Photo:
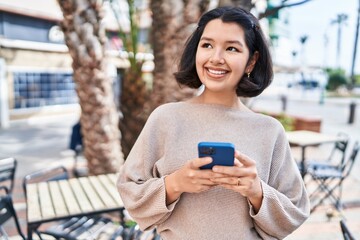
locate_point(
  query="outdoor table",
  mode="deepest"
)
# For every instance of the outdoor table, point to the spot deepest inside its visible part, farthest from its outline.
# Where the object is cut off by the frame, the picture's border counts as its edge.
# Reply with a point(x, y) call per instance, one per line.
point(63, 199)
point(304, 139)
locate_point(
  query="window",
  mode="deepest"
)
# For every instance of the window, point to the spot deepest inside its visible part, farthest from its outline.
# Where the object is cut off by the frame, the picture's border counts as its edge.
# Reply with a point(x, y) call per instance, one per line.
point(37, 89)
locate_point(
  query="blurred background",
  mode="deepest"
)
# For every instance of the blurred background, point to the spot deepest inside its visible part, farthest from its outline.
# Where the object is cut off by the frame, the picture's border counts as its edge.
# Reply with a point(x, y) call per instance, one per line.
point(105, 65)
point(52, 57)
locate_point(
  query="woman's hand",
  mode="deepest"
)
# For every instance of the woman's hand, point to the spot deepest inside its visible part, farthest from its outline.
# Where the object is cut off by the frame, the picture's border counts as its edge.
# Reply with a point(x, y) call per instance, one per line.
point(190, 178)
point(242, 178)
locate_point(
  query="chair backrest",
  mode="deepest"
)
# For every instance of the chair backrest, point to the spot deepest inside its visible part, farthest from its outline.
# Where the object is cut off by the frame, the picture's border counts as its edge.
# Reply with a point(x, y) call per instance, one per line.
point(349, 163)
point(46, 175)
point(7, 212)
point(7, 172)
point(340, 147)
point(76, 138)
point(345, 231)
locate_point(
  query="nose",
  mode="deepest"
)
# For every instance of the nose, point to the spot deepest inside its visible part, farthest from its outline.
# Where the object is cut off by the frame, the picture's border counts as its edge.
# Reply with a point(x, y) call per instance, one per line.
point(217, 57)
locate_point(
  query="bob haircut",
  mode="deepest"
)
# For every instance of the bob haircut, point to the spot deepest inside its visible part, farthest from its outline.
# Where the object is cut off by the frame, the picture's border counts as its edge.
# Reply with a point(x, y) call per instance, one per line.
point(262, 74)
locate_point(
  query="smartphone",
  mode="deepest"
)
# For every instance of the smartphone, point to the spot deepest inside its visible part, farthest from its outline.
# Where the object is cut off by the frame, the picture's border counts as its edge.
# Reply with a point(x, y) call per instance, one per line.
point(222, 153)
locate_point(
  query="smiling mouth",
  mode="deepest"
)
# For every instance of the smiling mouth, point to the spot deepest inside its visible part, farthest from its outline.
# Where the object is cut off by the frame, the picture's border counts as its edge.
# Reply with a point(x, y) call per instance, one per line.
point(216, 72)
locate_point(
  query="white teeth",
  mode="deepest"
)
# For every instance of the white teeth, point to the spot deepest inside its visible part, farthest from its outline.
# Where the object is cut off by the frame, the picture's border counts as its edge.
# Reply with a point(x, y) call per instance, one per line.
point(216, 72)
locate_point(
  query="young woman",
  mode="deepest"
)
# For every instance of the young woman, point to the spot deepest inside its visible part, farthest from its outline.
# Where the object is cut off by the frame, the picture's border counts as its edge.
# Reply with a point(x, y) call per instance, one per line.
point(262, 196)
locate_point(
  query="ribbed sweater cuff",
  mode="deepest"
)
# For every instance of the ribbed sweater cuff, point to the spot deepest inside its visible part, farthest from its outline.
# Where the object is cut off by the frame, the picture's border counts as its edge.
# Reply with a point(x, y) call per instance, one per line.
point(267, 193)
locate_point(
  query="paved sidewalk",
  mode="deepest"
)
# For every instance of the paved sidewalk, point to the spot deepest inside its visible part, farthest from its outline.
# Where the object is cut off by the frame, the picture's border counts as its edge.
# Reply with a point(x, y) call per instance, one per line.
point(43, 141)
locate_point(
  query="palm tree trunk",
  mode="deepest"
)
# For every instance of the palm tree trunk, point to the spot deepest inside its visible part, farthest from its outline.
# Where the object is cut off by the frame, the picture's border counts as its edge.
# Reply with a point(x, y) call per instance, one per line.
point(85, 38)
point(172, 24)
point(133, 99)
point(134, 93)
point(246, 4)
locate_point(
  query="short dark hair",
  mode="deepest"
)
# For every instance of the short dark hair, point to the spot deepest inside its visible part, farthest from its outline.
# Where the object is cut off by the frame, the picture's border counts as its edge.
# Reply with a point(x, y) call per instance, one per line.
point(262, 74)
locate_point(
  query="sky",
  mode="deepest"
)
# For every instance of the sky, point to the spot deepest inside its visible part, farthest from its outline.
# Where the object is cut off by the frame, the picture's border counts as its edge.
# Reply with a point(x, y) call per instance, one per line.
point(313, 19)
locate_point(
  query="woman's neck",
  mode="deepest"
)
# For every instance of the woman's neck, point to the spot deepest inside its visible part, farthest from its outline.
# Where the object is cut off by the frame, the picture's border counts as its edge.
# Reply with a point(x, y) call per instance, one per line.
point(227, 100)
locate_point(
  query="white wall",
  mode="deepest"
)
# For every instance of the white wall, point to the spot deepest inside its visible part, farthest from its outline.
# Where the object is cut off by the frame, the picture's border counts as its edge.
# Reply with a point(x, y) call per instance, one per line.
point(4, 102)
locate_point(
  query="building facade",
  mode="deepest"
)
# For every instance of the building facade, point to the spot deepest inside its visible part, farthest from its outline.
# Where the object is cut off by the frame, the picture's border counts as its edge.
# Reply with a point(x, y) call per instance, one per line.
point(35, 67)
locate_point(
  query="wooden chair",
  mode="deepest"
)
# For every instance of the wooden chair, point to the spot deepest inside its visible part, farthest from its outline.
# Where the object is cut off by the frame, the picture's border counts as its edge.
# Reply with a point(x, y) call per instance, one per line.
point(71, 229)
point(7, 212)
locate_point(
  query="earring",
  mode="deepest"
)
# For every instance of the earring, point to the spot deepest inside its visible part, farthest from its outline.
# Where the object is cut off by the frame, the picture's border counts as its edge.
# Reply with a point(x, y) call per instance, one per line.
point(248, 74)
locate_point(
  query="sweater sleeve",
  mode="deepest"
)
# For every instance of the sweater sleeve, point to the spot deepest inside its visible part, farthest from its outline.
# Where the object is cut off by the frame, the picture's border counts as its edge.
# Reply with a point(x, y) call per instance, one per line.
point(285, 204)
point(139, 184)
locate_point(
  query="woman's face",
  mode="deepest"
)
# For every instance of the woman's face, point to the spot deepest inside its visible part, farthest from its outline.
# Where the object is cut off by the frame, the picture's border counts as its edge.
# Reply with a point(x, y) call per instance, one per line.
point(222, 56)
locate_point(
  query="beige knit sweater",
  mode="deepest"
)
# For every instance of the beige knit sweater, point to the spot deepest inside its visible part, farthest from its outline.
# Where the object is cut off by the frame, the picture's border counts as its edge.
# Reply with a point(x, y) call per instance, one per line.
point(170, 138)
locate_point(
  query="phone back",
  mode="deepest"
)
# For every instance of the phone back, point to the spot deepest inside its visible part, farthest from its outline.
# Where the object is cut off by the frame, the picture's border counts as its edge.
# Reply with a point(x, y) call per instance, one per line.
point(222, 153)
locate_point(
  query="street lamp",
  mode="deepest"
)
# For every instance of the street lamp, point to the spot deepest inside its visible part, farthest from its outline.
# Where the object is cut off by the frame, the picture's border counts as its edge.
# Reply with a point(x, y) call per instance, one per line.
point(340, 21)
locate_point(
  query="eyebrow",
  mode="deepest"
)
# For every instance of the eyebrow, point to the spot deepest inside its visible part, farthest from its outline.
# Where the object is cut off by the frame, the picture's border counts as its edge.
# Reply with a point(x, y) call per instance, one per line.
point(229, 41)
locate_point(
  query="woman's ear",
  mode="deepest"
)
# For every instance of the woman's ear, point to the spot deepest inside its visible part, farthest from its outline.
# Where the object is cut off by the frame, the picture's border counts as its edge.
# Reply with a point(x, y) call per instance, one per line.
point(252, 62)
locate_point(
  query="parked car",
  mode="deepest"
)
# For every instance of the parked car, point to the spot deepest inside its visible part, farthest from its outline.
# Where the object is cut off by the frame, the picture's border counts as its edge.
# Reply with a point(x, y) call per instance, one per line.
point(309, 83)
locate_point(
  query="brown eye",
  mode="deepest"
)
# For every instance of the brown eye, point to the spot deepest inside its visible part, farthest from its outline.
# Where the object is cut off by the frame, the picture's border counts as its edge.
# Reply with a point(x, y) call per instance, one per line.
point(232, 49)
point(206, 45)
